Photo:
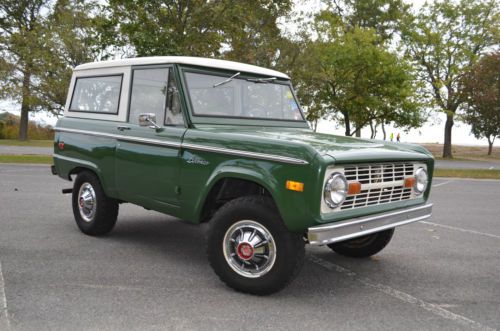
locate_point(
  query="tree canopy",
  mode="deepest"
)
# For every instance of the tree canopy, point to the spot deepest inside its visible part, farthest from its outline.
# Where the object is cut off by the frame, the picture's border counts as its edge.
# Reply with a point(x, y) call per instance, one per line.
point(482, 91)
point(40, 42)
point(445, 39)
point(353, 78)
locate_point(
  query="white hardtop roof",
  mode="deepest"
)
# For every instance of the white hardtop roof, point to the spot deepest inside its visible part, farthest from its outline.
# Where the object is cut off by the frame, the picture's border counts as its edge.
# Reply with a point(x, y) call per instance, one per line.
point(196, 61)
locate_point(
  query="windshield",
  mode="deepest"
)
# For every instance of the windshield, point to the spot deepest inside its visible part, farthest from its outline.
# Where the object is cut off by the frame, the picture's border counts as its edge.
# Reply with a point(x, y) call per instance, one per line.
point(234, 96)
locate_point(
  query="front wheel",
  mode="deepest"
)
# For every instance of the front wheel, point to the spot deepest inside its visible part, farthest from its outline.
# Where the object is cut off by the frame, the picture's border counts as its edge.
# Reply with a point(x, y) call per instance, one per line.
point(95, 213)
point(250, 249)
point(363, 246)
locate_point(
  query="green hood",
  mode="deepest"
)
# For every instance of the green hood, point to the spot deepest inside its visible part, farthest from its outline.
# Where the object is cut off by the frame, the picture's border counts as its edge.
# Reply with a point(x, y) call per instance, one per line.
point(304, 143)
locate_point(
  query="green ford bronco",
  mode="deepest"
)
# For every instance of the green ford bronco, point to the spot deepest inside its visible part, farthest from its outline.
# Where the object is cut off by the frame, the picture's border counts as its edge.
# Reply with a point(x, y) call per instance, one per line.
point(226, 143)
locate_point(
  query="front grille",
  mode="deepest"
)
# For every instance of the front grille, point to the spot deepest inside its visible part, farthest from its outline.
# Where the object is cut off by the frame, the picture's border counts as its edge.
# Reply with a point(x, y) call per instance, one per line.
point(385, 183)
point(376, 196)
point(379, 173)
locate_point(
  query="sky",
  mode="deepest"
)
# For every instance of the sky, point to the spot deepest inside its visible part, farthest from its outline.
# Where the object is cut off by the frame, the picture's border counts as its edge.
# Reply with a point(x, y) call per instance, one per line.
point(431, 132)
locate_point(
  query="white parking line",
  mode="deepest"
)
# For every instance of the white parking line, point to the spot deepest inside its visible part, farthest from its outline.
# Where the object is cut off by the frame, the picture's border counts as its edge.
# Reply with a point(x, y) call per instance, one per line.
point(441, 184)
point(461, 230)
point(470, 179)
point(405, 297)
point(4, 316)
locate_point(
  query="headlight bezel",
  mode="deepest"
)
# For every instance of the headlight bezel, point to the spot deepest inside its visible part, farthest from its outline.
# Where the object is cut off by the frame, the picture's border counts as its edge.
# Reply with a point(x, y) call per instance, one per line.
point(334, 179)
point(421, 173)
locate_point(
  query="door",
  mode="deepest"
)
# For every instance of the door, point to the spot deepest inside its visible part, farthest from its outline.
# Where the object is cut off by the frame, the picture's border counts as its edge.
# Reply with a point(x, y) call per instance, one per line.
point(147, 157)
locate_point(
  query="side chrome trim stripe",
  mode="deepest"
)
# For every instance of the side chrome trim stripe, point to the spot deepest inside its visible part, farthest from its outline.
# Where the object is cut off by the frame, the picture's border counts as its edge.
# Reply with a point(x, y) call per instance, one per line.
point(150, 141)
point(236, 152)
point(88, 133)
point(71, 159)
point(254, 155)
point(121, 137)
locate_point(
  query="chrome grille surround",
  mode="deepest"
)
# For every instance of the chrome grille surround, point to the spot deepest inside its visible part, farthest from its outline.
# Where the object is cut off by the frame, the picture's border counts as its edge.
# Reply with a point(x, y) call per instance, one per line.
point(381, 183)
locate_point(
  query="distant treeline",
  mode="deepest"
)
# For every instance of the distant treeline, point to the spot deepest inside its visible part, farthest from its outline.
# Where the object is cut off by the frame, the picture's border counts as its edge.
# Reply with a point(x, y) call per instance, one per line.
point(9, 128)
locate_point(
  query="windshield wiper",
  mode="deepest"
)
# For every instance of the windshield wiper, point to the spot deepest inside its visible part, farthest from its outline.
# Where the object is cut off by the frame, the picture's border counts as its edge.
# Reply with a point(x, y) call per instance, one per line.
point(262, 80)
point(227, 80)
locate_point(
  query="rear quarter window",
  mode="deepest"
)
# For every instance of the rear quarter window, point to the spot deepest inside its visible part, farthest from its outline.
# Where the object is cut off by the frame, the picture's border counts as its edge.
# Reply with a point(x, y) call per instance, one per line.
point(97, 94)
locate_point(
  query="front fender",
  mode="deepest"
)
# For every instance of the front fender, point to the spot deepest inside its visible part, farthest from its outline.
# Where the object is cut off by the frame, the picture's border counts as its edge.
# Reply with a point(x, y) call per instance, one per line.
point(262, 178)
point(294, 207)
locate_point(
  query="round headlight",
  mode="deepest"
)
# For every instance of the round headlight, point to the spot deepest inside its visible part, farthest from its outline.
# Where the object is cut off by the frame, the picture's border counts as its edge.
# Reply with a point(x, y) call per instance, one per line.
point(335, 190)
point(420, 180)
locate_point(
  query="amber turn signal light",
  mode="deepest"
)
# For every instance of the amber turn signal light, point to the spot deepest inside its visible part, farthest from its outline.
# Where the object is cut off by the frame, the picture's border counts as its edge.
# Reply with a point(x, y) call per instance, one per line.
point(294, 186)
point(354, 188)
point(409, 182)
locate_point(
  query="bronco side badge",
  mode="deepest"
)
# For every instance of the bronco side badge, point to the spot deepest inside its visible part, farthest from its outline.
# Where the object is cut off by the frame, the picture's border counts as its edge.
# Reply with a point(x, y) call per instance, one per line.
point(196, 160)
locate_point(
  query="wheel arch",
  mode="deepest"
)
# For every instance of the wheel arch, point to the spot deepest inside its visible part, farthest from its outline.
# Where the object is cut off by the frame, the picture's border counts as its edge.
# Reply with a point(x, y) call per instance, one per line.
point(221, 188)
point(78, 169)
point(74, 168)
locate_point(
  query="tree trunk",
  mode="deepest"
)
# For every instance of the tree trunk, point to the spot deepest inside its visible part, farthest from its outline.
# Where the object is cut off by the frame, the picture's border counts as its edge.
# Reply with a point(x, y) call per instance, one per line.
point(315, 125)
point(375, 130)
point(347, 124)
point(358, 132)
point(25, 107)
point(372, 130)
point(383, 131)
point(447, 153)
point(490, 145)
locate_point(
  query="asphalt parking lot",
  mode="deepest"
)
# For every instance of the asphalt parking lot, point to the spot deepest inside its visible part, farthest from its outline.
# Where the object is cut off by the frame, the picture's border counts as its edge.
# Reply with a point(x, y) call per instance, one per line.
point(151, 272)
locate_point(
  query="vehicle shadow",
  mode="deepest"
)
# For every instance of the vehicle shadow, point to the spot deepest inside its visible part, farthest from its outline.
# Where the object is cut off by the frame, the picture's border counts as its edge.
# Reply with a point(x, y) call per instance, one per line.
point(183, 245)
point(162, 235)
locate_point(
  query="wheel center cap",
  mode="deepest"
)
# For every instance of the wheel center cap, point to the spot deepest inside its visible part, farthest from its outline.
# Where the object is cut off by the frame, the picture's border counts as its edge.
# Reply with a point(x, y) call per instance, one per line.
point(81, 202)
point(245, 251)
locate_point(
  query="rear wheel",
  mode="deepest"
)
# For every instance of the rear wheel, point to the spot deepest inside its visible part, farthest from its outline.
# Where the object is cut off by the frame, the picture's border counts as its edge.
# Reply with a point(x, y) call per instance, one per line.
point(250, 249)
point(95, 213)
point(363, 246)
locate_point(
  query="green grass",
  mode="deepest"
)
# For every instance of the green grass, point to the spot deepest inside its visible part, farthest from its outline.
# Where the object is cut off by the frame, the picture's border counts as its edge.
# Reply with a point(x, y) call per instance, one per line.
point(468, 173)
point(33, 143)
point(31, 159)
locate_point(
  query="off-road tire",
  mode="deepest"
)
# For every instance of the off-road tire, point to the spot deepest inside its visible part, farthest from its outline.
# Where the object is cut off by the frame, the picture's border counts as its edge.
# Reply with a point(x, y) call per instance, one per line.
point(290, 251)
point(363, 246)
point(106, 211)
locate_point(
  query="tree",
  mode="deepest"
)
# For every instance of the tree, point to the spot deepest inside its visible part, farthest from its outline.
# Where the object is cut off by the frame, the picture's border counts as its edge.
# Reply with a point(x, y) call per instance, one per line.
point(164, 27)
point(40, 42)
point(251, 31)
point(245, 31)
point(445, 39)
point(75, 32)
point(348, 75)
point(482, 88)
point(20, 36)
point(384, 16)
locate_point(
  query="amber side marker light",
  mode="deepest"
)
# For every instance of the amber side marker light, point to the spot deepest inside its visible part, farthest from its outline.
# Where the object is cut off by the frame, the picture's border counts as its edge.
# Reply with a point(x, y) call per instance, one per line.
point(410, 182)
point(294, 186)
point(354, 188)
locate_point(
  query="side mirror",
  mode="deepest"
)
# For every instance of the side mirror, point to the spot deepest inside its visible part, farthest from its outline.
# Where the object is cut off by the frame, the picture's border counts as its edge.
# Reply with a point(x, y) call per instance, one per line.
point(148, 119)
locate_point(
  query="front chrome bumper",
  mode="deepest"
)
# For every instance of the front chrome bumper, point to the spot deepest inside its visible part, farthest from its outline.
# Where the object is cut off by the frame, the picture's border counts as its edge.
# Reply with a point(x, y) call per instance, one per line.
point(357, 227)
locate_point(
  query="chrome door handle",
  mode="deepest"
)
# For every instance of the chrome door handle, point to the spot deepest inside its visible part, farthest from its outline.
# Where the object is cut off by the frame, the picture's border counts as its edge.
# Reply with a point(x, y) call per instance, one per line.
point(123, 128)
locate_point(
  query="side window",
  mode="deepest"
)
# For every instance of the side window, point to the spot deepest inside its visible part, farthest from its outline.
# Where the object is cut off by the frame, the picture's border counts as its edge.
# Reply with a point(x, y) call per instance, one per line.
point(97, 94)
point(174, 113)
point(149, 93)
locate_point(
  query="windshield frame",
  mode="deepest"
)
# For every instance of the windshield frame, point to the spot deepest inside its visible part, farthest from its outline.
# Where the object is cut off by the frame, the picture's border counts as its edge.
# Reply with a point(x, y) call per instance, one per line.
point(217, 119)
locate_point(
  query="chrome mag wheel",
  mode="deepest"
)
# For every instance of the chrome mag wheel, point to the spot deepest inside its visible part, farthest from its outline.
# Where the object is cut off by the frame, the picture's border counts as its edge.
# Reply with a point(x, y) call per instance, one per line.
point(87, 202)
point(249, 249)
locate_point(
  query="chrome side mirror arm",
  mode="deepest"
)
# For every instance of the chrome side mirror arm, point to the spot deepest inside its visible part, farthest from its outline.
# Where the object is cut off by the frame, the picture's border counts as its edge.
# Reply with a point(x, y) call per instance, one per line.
point(149, 120)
